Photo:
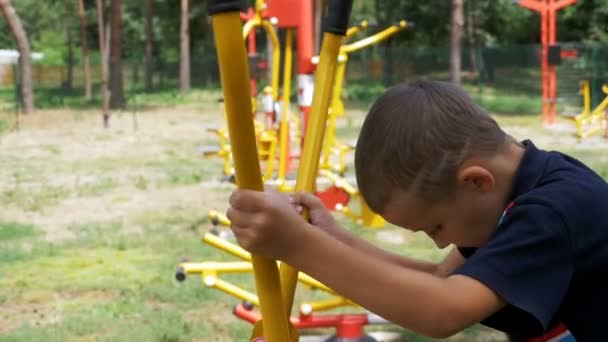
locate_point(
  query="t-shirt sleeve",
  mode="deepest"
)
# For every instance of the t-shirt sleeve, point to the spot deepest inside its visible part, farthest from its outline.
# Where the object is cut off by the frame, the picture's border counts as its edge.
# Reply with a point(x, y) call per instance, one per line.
point(528, 261)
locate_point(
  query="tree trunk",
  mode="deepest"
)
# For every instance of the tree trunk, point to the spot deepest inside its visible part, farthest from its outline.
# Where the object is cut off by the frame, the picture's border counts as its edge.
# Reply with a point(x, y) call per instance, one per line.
point(25, 56)
point(456, 40)
point(104, 65)
point(69, 81)
point(84, 44)
point(117, 99)
point(184, 60)
point(471, 32)
point(149, 46)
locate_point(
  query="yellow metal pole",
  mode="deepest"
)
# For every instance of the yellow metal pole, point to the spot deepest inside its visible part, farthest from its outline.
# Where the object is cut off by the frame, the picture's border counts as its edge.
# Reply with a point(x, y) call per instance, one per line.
point(333, 38)
point(586, 97)
point(284, 138)
point(233, 66)
point(337, 109)
point(276, 57)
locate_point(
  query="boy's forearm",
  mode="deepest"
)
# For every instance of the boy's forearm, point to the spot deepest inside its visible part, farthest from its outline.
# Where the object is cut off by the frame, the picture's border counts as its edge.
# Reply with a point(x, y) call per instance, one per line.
point(360, 244)
point(414, 299)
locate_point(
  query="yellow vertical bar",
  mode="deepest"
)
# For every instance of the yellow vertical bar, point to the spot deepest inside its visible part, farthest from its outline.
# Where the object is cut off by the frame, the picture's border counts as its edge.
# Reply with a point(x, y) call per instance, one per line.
point(232, 58)
point(287, 69)
point(337, 109)
point(307, 173)
point(276, 57)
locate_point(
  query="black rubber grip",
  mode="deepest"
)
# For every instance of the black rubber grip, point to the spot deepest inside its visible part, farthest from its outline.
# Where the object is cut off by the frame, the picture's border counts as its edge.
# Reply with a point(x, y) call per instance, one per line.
point(338, 15)
point(220, 6)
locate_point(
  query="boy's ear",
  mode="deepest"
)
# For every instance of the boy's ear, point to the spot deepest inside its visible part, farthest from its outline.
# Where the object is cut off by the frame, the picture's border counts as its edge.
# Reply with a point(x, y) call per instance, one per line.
point(476, 177)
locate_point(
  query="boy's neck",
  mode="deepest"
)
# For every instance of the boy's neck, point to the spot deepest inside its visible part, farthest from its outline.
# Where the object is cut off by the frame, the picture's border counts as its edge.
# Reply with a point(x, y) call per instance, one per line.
point(505, 165)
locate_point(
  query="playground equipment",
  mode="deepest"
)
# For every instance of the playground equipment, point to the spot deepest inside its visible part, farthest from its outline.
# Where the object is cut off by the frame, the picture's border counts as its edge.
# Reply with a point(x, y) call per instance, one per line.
point(267, 133)
point(275, 294)
point(550, 53)
point(348, 327)
point(591, 122)
point(340, 194)
point(332, 146)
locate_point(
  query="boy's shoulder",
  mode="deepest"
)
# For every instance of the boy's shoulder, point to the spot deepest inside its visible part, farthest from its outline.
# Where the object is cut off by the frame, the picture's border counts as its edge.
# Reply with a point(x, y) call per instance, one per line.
point(559, 181)
point(543, 257)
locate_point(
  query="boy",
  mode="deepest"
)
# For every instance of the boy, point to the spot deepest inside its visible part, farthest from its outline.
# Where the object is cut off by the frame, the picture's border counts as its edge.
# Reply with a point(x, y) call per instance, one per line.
point(530, 228)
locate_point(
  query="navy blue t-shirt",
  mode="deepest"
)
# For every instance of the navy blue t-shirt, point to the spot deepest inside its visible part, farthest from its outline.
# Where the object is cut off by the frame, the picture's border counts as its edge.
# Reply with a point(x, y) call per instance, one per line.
point(548, 258)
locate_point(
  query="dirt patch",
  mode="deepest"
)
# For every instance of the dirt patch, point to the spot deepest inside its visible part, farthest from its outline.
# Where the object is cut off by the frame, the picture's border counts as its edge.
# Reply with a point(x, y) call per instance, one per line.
point(50, 140)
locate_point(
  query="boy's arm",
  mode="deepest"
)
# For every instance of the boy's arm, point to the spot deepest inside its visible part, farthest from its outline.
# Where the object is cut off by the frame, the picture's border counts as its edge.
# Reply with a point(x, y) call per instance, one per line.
point(442, 269)
point(417, 300)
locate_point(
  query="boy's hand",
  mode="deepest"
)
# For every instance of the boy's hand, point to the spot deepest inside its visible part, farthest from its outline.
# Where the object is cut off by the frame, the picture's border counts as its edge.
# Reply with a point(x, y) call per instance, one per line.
point(265, 223)
point(320, 216)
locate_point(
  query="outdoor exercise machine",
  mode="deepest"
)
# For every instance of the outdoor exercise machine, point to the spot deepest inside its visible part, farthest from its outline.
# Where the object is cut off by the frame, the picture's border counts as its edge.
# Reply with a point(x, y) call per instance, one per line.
point(592, 122)
point(550, 52)
point(276, 288)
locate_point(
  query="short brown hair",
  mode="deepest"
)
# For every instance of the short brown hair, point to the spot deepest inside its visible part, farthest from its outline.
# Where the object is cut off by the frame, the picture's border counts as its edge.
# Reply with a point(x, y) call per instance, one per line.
point(416, 136)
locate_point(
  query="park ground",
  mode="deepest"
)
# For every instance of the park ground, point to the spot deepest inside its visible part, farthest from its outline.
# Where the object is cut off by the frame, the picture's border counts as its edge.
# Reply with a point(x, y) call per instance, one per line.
point(93, 222)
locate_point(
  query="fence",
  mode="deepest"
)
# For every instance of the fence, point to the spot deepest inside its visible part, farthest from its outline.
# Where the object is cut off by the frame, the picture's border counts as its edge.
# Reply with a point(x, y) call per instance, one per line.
point(504, 79)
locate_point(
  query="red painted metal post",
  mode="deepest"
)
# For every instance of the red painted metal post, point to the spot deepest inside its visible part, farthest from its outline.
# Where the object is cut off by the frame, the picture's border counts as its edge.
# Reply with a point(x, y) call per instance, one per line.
point(548, 30)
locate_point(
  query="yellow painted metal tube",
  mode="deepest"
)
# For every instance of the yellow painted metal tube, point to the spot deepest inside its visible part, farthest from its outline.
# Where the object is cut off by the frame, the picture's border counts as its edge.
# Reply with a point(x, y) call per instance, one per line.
point(190, 268)
point(276, 57)
point(276, 49)
point(284, 138)
point(604, 104)
point(313, 141)
point(337, 109)
point(586, 96)
point(374, 39)
point(340, 182)
point(353, 30)
point(232, 290)
point(234, 75)
point(226, 246)
point(327, 304)
point(239, 252)
point(250, 25)
point(216, 216)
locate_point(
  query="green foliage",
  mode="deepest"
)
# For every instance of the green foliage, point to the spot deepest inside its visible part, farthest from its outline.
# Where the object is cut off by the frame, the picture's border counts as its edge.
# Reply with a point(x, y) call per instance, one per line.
point(360, 91)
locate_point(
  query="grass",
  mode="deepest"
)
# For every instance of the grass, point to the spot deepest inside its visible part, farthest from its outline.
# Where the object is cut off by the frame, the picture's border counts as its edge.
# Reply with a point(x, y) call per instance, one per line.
point(168, 96)
point(125, 282)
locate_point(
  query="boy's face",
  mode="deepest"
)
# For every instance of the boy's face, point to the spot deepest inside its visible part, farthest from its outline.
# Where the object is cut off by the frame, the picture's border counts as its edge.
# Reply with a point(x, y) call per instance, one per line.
point(466, 218)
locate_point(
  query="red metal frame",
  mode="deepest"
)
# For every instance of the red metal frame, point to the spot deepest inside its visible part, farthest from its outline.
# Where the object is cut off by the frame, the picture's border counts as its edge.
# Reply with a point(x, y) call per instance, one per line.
point(348, 326)
point(298, 14)
point(548, 12)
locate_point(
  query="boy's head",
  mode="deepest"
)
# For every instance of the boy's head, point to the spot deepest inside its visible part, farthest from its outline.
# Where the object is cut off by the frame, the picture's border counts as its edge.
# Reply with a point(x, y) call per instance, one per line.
point(414, 146)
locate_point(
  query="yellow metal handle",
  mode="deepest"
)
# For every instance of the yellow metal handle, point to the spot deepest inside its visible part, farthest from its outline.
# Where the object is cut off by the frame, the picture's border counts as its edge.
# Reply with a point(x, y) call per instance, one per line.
point(376, 38)
point(356, 29)
point(234, 76)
